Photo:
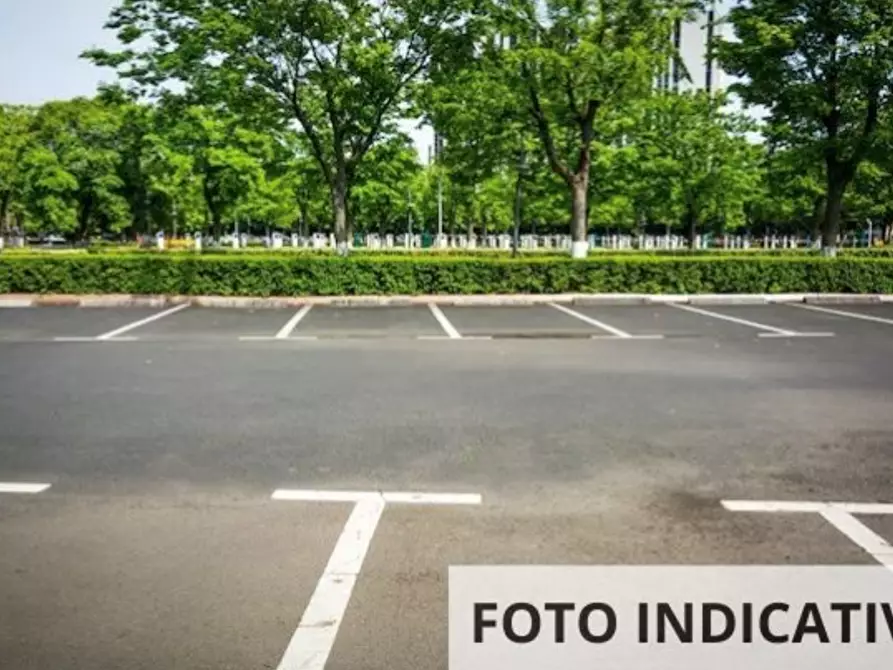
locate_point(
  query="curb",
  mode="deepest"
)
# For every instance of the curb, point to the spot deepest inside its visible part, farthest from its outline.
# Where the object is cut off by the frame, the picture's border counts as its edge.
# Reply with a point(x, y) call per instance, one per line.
point(157, 301)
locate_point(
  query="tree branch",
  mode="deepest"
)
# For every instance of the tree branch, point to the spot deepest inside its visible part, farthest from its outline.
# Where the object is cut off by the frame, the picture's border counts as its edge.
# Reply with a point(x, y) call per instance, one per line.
point(545, 133)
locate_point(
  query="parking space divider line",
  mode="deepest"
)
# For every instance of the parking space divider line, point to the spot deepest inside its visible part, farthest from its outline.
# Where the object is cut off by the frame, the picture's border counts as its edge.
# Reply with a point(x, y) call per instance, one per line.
point(735, 319)
point(312, 642)
point(293, 322)
point(142, 322)
point(592, 322)
point(860, 534)
point(838, 514)
point(444, 322)
point(852, 315)
point(23, 487)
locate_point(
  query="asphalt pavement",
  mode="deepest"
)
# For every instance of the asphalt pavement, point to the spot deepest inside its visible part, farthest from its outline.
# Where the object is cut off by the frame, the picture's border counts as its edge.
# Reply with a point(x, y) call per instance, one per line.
point(603, 435)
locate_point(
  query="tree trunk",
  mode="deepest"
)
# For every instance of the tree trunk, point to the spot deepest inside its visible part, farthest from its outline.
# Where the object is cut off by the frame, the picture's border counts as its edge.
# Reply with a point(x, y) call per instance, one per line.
point(691, 224)
point(4, 212)
point(84, 219)
point(579, 191)
point(339, 208)
point(216, 222)
point(831, 223)
point(519, 203)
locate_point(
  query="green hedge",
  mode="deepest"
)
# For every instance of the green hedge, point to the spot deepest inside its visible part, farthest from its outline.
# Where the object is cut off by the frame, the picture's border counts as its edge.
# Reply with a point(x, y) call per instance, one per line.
point(268, 275)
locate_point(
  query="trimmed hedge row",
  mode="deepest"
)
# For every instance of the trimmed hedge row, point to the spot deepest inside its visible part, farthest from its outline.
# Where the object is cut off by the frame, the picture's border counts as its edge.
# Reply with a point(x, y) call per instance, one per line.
point(277, 275)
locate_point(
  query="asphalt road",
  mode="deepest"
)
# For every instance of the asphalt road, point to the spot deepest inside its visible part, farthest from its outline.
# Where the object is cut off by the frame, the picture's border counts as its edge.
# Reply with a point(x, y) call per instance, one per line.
point(158, 544)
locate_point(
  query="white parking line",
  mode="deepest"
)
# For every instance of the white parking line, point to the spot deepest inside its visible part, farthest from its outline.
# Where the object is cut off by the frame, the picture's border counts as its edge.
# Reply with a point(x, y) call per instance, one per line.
point(312, 642)
point(861, 534)
point(136, 324)
point(794, 506)
point(592, 322)
point(838, 514)
point(852, 315)
point(23, 487)
point(735, 319)
point(444, 322)
point(285, 331)
point(770, 331)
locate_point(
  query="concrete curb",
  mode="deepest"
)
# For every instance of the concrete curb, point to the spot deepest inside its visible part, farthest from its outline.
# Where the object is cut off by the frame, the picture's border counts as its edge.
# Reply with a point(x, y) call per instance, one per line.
point(157, 301)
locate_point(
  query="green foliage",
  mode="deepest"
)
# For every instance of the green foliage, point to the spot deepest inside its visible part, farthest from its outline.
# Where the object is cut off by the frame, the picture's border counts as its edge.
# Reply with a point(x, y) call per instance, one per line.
point(824, 71)
point(269, 275)
point(342, 70)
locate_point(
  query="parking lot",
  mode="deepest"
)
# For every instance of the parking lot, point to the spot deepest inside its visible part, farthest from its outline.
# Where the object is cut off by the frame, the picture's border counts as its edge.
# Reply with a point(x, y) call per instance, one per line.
point(188, 487)
point(427, 322)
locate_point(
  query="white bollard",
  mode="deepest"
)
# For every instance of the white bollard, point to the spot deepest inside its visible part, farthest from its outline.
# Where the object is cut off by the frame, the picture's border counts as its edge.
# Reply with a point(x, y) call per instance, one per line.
point(159, 240)
point(277, 240)
point(579, 249)
point(2, 242)
point(198, 241)
point(243, 240)
point(294, 240)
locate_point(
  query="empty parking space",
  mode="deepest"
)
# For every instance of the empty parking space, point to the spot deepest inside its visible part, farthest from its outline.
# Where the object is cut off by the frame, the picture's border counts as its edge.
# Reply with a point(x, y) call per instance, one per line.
point(664, 320)
point(209, 322)
point(47, 323)
point(200, 581)
point(766, 320)
point(518, 321)
point(366, 322)
point(878, 315)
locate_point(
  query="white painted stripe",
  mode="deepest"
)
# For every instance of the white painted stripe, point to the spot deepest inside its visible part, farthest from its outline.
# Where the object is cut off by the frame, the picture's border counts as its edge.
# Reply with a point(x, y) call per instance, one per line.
point(592, 322)
point(798, 334)
point(22, 487)
point(444, 322)
point(285, 331)
point(398, 497)
point(772, 506)
point(734, 319)
point(312, 642)
point(861, 534)
point(852, 315)
point(142, 322)
point(16, 304)
point(796, 506)
point(432, 498)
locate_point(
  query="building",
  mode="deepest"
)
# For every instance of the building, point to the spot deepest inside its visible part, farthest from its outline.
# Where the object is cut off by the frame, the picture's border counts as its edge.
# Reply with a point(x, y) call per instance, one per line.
point(696, 69)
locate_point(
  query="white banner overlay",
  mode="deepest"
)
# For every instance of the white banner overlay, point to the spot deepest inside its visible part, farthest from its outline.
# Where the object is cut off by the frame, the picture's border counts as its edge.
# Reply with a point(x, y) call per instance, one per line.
point(670, 618)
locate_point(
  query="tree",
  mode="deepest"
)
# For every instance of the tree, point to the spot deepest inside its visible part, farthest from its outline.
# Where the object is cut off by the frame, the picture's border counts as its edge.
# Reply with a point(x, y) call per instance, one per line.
point(574, 64)
point(696, 160)
point(379, 198)
point(340, 68)
point(15, 137)
point(825, 69)
point(71, 170)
